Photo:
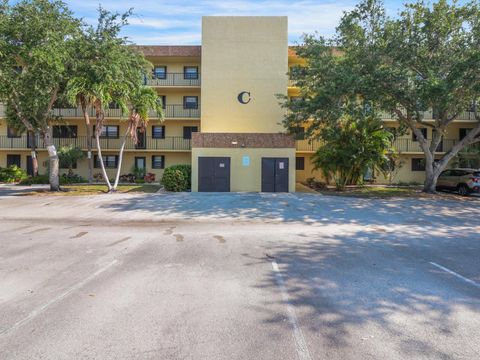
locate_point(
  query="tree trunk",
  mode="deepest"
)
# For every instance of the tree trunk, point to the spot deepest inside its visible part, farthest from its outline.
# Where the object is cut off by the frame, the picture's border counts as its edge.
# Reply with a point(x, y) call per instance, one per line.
point(33, 147)
point(100, 159)
point(88, 127)
point(53, 160)
point(120, 159)
point(100, 119)
point(432, 172)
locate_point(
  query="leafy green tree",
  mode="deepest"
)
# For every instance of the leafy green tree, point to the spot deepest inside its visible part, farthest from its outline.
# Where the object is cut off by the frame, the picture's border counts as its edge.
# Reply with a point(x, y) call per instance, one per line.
point(351, 146)
point(141, 102)
point(69, 156)
point(15, 123)
point(427, 58)
point(35, 60)
point(109, 70)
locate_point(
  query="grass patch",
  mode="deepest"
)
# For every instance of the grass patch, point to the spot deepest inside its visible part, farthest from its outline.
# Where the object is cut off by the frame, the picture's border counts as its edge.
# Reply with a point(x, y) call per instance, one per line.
point(78, 190)
point(375, 192)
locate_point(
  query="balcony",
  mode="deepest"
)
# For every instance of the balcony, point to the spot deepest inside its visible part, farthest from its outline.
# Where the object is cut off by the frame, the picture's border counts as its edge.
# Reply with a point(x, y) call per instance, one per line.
point(401, 145)
point(169, 143)
point(172, 111)
point(174, 80)
point(308, 146)
point(428, 115)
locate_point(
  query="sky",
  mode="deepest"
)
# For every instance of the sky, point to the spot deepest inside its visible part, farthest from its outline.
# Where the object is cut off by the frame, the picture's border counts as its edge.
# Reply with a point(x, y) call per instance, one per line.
point(178, 22)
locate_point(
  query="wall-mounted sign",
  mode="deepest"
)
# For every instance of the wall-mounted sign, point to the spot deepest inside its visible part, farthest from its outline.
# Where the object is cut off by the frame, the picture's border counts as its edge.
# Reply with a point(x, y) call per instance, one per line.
point(244, 97)
point(246, 161)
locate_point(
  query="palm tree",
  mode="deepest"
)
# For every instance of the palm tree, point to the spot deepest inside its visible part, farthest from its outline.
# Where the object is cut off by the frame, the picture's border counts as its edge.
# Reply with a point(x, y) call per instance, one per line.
point(141, 102)
point(79, 94)
point(108, 70)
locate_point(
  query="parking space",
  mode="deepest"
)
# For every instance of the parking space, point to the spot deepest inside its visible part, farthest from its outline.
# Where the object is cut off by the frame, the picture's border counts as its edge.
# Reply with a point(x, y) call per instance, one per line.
point(238, 276)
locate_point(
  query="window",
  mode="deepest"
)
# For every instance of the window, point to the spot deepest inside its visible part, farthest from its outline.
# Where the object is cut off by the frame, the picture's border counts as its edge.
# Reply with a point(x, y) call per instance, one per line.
point(64, 164)
point(109, 131)
point(13, 133)
point(110, 161)
point(418, 164)
point(13, 160)
point(299, 133)
point(190, 102)
point(158, 161)
point(300, 163)
point(163, 98)
point(158, 132)
point(462, 132)
point(160, 72)
point(424, 133)
point(190, 72)
point(188, 130)
point(65, 131)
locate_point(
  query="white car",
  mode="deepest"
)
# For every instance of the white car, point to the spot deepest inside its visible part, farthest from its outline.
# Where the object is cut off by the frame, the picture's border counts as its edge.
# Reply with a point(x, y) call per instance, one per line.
point(464, 181)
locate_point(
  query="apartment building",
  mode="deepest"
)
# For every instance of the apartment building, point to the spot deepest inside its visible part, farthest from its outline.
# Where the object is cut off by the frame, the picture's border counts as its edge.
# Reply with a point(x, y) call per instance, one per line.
point(222, 116)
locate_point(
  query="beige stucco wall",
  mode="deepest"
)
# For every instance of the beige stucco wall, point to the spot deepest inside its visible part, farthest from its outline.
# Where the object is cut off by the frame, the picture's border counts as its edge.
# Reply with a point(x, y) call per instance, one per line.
point(244, 178)
point(243, 54)
point(171, 158)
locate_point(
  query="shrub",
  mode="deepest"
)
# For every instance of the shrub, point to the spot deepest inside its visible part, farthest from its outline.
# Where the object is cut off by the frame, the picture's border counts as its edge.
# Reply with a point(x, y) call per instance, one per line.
point(98, 177)
point(177, 178)
point(39, 179)
point(127, 178)
point(71, 178)
point(316, 185)
point(12, 174)
point(149, 178)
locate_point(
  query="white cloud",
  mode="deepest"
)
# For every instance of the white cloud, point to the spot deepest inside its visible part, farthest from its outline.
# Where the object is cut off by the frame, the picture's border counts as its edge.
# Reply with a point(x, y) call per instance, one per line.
point(179, 21)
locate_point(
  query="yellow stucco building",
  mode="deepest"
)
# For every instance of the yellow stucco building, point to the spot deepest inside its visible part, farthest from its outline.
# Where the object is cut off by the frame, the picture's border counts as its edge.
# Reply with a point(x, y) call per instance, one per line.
point(222, 116)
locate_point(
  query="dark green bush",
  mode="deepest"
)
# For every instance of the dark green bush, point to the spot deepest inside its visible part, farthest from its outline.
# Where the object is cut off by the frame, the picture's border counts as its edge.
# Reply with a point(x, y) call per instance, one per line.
point(39, 179)
point(71, 178)
point(177, 178)
point(12, 174)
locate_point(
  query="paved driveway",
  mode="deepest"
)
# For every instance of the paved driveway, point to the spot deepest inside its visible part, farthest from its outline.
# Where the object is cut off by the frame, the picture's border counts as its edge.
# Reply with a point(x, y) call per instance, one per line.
point(238, 276)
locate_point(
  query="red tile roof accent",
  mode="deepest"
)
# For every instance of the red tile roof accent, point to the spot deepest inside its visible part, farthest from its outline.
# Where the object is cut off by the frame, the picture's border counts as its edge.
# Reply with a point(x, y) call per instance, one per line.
point(171, 50)
point(183, 50)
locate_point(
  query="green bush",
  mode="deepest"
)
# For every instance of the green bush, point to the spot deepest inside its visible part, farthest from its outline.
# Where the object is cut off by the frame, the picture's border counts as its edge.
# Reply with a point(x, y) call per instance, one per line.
point(12, 174)
point(39, 179)
point(71, 178)
point(177, 178)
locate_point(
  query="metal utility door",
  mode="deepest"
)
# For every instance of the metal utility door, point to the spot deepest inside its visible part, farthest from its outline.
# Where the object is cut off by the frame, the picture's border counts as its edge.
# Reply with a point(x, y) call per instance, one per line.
point(214, 174)
point(274, 174)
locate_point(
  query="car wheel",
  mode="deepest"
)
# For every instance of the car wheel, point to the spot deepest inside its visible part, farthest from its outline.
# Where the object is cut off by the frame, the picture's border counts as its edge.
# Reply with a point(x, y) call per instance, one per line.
point(462, 190)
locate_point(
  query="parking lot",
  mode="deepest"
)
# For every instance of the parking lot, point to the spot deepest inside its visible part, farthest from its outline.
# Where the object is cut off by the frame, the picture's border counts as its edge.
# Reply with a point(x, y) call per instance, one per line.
point(238, 276)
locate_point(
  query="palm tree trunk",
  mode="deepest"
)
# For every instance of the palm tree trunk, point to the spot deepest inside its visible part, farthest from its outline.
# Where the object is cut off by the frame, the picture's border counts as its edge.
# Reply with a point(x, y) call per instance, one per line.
point(120, 159)
point(88, 127)
point(53, 159)
point(100, 116)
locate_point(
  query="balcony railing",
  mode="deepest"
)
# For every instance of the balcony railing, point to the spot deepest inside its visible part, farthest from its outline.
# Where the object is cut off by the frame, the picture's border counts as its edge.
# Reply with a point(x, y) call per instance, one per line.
point(174, 79)
point(401, 145)
point(175, 143)
point(428, 115)
point(308, 146)
point(171, 111)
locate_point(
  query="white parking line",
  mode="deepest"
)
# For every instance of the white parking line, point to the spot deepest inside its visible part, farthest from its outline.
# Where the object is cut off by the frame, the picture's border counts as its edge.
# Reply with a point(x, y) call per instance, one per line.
point(300, 343)
point(45, 306)
point(471, 282)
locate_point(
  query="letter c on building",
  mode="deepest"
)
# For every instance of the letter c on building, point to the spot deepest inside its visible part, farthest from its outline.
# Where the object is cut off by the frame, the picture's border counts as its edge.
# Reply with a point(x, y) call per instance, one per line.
point(244, 97)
